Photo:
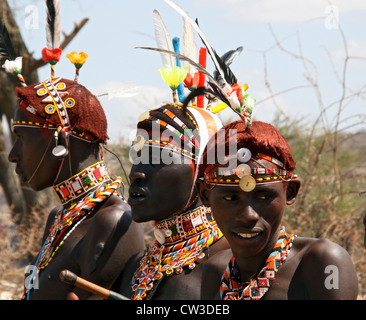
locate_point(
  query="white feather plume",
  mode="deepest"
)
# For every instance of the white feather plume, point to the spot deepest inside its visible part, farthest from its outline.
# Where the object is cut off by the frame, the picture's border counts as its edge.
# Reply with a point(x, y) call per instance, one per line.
point(121, 90)
point(163, 40)
point(189, 44)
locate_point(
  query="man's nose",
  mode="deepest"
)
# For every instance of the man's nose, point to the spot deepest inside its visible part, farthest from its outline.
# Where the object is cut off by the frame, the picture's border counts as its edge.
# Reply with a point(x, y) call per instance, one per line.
point(247, 216)
point(137, 176)
point(13, 155)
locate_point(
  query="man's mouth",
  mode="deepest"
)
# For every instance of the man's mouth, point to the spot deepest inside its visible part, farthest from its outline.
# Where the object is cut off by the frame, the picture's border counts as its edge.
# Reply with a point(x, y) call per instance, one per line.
point(248, 235)
point(136, 196)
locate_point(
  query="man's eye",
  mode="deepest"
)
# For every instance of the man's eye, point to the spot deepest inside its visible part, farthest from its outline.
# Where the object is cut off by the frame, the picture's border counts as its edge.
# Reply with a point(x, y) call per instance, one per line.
point(230, 198)
point(264, 196)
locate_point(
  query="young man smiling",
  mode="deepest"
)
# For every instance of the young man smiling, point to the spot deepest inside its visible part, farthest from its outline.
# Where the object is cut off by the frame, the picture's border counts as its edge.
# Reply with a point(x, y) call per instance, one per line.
point(248, 194)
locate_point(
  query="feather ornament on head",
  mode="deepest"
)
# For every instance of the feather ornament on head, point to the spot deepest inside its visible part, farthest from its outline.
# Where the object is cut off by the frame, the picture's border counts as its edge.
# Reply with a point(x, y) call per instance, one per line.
point(222, 85)
point(58, 103)
point(173, 77)
point(52, 52)
point(172, 72)
point(12, 64)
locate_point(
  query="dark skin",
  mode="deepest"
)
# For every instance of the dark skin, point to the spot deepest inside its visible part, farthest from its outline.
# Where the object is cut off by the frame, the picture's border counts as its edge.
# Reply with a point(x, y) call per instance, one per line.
point(98, 249)
point(251, 222)
point(157, 192)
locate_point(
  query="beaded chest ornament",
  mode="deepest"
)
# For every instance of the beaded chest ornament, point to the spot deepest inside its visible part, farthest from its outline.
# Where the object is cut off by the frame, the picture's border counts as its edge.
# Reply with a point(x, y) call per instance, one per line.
point(181, 243)
point(231, 288)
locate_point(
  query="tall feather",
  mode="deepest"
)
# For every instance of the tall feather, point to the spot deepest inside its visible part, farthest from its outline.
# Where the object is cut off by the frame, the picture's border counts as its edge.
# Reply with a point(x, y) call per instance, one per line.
point(6, 48)
point(189, 44)
point(198, 30)
point(53, 24)
point(226, 59)
point(163, 40)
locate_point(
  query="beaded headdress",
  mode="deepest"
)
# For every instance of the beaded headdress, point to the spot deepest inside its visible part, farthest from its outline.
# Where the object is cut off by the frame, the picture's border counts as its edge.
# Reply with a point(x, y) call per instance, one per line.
point(56, 103)
point(223, 86)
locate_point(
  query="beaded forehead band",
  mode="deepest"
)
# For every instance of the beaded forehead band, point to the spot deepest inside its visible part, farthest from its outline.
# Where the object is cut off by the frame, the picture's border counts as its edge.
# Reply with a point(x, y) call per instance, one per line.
point(244, 173)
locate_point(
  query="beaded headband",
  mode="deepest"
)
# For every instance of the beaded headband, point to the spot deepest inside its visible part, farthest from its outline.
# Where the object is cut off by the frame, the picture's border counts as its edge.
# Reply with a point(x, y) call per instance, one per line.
point(214, 175)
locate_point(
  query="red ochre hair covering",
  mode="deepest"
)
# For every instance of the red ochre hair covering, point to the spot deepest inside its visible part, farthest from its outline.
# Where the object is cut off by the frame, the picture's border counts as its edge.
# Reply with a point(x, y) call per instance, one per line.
point(87, 115)
point(261, 138)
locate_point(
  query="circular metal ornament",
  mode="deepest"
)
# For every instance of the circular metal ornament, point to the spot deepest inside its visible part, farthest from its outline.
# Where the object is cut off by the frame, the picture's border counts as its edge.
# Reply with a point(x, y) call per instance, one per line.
point(59, 151)
point(247, 183)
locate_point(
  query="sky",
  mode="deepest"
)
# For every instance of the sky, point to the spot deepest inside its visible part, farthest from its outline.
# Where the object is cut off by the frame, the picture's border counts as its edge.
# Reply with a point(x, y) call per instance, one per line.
point(295, 50)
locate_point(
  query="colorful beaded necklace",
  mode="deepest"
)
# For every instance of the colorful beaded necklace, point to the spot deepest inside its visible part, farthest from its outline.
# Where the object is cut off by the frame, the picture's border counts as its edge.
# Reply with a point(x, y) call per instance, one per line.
point(183, 239)
point(67, 220)
point(81, 182)
point(231, 288)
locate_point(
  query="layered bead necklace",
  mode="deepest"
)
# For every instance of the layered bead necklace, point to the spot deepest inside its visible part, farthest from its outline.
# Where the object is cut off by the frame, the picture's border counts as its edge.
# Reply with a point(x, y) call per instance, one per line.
point(181, 240)
point(231, 288)
point(66, 220)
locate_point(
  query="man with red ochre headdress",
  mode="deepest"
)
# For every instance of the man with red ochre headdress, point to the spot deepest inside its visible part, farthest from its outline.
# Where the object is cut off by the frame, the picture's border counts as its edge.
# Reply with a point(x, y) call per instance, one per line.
point(60, 127)
point(248, 194)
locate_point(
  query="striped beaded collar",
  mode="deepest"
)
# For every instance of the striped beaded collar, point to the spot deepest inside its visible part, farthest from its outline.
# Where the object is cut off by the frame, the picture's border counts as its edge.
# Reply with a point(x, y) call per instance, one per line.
point(81, 183)
point(181, 243)
point(183, 226)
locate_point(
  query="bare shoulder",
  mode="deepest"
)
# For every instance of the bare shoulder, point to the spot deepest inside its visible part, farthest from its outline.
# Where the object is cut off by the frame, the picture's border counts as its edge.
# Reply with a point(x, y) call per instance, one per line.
point(212, 271)
point(114, 217)
point(326, 269)
point(320, 251)
point(111, 210)
point(112, 238)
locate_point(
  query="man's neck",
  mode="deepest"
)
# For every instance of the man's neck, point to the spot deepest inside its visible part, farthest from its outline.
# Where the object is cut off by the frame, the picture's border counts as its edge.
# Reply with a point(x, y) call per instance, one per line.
point(81, 184)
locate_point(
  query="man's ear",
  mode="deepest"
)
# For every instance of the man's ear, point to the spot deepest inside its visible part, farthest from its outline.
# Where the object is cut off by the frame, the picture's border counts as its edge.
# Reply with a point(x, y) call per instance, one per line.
point(293, 187)
point(203, 192)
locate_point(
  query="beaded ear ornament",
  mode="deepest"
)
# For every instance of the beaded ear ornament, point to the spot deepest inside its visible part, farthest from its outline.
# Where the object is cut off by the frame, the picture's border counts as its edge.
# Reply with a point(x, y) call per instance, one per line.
point(242, 174)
